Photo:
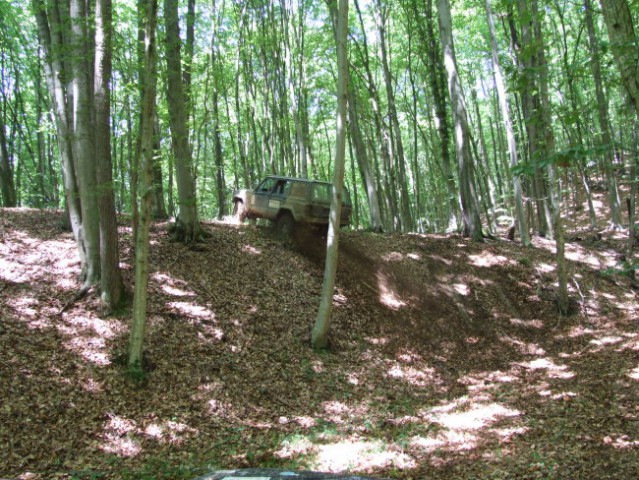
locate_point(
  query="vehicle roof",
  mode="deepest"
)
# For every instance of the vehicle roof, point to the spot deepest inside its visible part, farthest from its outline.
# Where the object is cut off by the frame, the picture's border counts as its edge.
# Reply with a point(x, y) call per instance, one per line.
point(295, 179)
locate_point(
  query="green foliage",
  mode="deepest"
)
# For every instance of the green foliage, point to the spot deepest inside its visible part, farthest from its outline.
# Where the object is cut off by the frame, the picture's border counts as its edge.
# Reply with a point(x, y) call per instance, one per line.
point(269, 68)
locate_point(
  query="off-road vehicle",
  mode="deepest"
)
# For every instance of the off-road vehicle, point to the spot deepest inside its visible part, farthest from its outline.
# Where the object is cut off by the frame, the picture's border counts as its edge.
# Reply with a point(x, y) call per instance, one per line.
point(288, 202)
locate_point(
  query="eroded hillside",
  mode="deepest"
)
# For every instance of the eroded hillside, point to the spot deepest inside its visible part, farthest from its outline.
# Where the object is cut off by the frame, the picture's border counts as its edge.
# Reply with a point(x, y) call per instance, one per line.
point(447, 359)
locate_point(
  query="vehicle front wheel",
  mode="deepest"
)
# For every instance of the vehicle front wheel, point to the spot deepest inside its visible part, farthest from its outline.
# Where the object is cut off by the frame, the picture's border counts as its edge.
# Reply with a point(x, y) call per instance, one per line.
point(285, 226)
point(239, 211)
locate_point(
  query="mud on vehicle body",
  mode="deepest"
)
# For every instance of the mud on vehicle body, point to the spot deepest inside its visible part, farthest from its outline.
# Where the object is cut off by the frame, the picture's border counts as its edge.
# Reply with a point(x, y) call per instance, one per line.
point(289, 202)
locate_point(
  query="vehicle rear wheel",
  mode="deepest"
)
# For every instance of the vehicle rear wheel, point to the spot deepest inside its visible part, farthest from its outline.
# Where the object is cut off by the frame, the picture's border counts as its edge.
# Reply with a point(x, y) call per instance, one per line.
point(239, 211)
point(285, 226)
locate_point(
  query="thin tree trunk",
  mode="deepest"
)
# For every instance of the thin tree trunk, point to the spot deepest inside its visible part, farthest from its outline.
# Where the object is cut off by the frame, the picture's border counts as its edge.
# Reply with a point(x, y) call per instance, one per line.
point(159, 209)
point(383, 135)
point(470, 210)
point(605, 137)
point(631, 205)
point(57, 75)
point(500, 85)
point(136, 340)
point(437, 76)
point(319, 336)
point(399, 157)
point(111, 279)
point(83, 141)
point(364, 165)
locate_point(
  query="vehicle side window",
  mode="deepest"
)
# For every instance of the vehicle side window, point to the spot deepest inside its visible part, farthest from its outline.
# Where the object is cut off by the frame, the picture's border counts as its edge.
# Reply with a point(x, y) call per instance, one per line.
point(267, 185)
point(281, 187)
point(322, 192)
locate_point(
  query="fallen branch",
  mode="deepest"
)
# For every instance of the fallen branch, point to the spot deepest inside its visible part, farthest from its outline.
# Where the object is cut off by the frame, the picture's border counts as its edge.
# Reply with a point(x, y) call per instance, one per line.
point(78, 296)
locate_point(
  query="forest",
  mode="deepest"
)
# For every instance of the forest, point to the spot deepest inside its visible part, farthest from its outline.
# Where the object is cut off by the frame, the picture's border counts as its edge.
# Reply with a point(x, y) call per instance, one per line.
point(491, 152)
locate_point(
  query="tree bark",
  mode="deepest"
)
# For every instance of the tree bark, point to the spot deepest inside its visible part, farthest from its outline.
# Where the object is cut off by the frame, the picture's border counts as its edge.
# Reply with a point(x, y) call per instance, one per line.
point(437, 77)
point(529, 64)
point(187, 228)
point(319, 336)
point(136, 340)
point(605, 136)
point(83, 139)
point(376, 224)
point(624, 46)
point(7, 185)
point(500, 85)
point(471, 222)
point(111, 284)
point(387, 178)
point(398, 159)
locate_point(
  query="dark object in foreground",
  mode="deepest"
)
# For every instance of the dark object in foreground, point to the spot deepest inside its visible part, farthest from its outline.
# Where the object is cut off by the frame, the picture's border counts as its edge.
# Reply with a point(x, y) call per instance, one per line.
point(272, 474)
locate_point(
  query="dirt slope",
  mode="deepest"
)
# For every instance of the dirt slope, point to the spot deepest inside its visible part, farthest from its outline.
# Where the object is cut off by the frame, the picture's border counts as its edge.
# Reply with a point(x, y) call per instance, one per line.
point(447, 360)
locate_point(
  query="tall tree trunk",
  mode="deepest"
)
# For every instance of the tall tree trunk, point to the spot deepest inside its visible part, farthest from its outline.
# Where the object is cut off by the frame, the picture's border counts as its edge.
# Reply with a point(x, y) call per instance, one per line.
point(500, 85)
point(631, 205)
point(364, 165)
point(398, 157)
point(437, 76)
point(319, 336)
point(605, 137)
point(471, 222)
point(52, 41)
point(187, 228)
point(159, 209)
point(111, 279)
point(136, 340)
point(624, 46)
point(383, 140)
point(529, 64)
point(83, 139)
point(68, 82)
point(7, 185)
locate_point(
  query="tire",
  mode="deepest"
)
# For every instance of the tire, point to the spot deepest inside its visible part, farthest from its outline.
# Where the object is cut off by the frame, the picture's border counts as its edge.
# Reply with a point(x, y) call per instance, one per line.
point(285, 226)
point(239, 211)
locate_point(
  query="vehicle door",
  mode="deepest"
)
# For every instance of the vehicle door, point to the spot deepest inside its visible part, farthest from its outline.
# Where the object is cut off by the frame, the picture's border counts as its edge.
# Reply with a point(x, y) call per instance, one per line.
point(277, 198)
point(259, 203)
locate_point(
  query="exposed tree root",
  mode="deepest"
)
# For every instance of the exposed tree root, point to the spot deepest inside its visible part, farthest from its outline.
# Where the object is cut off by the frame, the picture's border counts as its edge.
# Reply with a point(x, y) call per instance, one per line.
point(84, 291)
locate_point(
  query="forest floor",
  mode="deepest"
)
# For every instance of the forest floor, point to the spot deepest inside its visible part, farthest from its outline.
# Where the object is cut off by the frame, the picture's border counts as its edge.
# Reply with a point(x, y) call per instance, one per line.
point(447, 359)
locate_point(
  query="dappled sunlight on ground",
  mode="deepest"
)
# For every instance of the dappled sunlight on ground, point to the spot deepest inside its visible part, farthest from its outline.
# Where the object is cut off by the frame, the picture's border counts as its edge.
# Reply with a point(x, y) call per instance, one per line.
point(359, 455)
point(25, 259)
point(489, 259)
point(125, 437)
point(446, 356)
point(387, 294)
point(551, 369)
point(413, 375)
point(577, 253)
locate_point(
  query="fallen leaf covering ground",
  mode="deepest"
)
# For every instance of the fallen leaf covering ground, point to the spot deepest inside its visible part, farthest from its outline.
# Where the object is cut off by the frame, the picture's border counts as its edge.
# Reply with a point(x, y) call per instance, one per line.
point(447, 359)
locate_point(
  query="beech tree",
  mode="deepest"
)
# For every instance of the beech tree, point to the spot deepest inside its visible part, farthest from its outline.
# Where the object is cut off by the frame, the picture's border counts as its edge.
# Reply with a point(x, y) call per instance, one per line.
point(319, 336)
point(500, 86)
point(7, 186)
point(625, 48)
point(187, 227)
point(604, 117)
point(148, 15)
point(250, 88)
point(69, 70)
point(470, 209)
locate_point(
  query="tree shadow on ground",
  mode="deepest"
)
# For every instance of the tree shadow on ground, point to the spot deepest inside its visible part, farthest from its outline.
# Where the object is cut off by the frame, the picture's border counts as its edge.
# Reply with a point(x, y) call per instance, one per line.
point(447, 359)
